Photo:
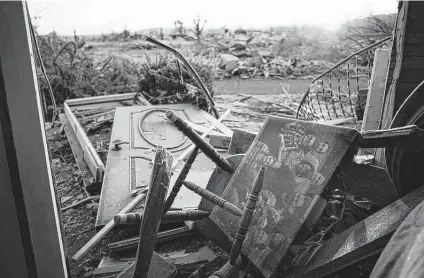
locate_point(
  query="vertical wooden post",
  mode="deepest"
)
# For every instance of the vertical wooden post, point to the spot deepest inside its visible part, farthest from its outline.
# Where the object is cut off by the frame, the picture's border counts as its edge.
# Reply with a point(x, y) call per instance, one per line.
point(159, 183)
point(375, 101)
point(30, 238)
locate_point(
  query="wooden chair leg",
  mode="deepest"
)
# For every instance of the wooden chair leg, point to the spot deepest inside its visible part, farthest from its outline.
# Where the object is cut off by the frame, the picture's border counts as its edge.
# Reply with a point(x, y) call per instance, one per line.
point(215, 199)
point(231, 268)
point(206, 148)
point(171, 216)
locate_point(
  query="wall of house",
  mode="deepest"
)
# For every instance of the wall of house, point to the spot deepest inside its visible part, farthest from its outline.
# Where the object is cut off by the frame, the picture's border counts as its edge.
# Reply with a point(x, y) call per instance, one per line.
point(30, 238)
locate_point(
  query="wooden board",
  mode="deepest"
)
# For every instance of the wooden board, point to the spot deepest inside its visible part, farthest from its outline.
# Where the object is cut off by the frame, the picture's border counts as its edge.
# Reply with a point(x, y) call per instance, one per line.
point(90, 155)
point(367, 181)
point(76, 150)
point(375, 101)
point(129, 169)
point(301, 158)
point(110, 267)
point(165, 236)
point(362, 240)
point(241, 141)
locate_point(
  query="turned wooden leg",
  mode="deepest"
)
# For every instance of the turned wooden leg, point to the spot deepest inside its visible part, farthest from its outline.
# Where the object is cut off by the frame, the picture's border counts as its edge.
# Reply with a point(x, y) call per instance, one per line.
point(215, 199)
point(231, 268)
point(206, 148)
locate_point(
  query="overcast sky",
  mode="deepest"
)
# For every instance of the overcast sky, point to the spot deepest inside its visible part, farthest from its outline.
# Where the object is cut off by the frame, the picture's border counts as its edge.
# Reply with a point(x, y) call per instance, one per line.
point(97, 16)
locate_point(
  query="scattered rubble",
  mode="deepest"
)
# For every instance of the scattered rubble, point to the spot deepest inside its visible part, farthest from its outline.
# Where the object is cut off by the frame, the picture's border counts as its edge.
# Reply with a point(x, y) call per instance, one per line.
point(167, 82)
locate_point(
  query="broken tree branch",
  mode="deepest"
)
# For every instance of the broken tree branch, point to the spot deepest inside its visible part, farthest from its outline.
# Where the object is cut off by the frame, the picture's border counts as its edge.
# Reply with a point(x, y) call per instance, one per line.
point(190, 69)
point(80, 202)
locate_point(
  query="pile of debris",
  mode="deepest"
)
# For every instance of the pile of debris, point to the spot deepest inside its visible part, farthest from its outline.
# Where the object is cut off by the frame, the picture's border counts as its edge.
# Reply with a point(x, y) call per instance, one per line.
point(268, 68)
point(192, 240)
point(281, 201)
point(74, 74)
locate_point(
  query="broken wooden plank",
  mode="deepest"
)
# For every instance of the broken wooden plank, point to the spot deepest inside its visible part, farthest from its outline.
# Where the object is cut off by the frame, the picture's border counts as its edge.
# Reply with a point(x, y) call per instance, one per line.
point(409, 136)
point(162, 237)
point(77, 152)
point(343, 121)
point(100, 99)
point(159, 267)
point(376, 93)
point(241, 141)
point(220, 141)
point(184, 263)
point(93, 241)
point(187, 263)
point(375, 101)
point(142, 100)
point(92, 163)
point(295, 157)
point(93, 127)
point(402, 256)
point(362, 240)
point(155, 202)
point(367, 181)
point(219, 125)
point(92, 159)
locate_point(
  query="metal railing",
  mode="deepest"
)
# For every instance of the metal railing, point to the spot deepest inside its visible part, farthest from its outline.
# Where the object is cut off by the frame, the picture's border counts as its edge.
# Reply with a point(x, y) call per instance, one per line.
point(341, 91)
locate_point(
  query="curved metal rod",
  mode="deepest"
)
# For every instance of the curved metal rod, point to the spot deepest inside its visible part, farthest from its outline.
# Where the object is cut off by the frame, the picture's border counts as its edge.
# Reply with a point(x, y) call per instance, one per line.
point(189, 67)
point(406, 103)
point(336, 66)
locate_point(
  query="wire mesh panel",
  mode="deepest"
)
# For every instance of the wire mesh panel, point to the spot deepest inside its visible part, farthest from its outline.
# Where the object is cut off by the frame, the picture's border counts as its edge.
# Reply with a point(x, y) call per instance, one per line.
point(341, 92)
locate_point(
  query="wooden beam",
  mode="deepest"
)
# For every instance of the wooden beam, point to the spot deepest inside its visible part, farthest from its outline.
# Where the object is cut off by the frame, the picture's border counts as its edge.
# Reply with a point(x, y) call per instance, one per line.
point(77, 151)
point(374, 108)
point(220, 141)
point(100, 99)
point(30, 235)
point(241, 141)
point(362, 240)
point(165, 236)
point(395, 86)
point(153, 211)
point(94, 162)
point(375, 100)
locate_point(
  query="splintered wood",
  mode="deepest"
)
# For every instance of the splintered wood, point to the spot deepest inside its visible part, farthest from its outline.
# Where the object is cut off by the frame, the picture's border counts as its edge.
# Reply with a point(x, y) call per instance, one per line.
point(301, 158)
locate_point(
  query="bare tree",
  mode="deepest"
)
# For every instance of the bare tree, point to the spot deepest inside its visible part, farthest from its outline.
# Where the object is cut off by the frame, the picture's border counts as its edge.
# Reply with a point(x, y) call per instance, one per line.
point(360, 33)
point(198, 28)
point(179, 26)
